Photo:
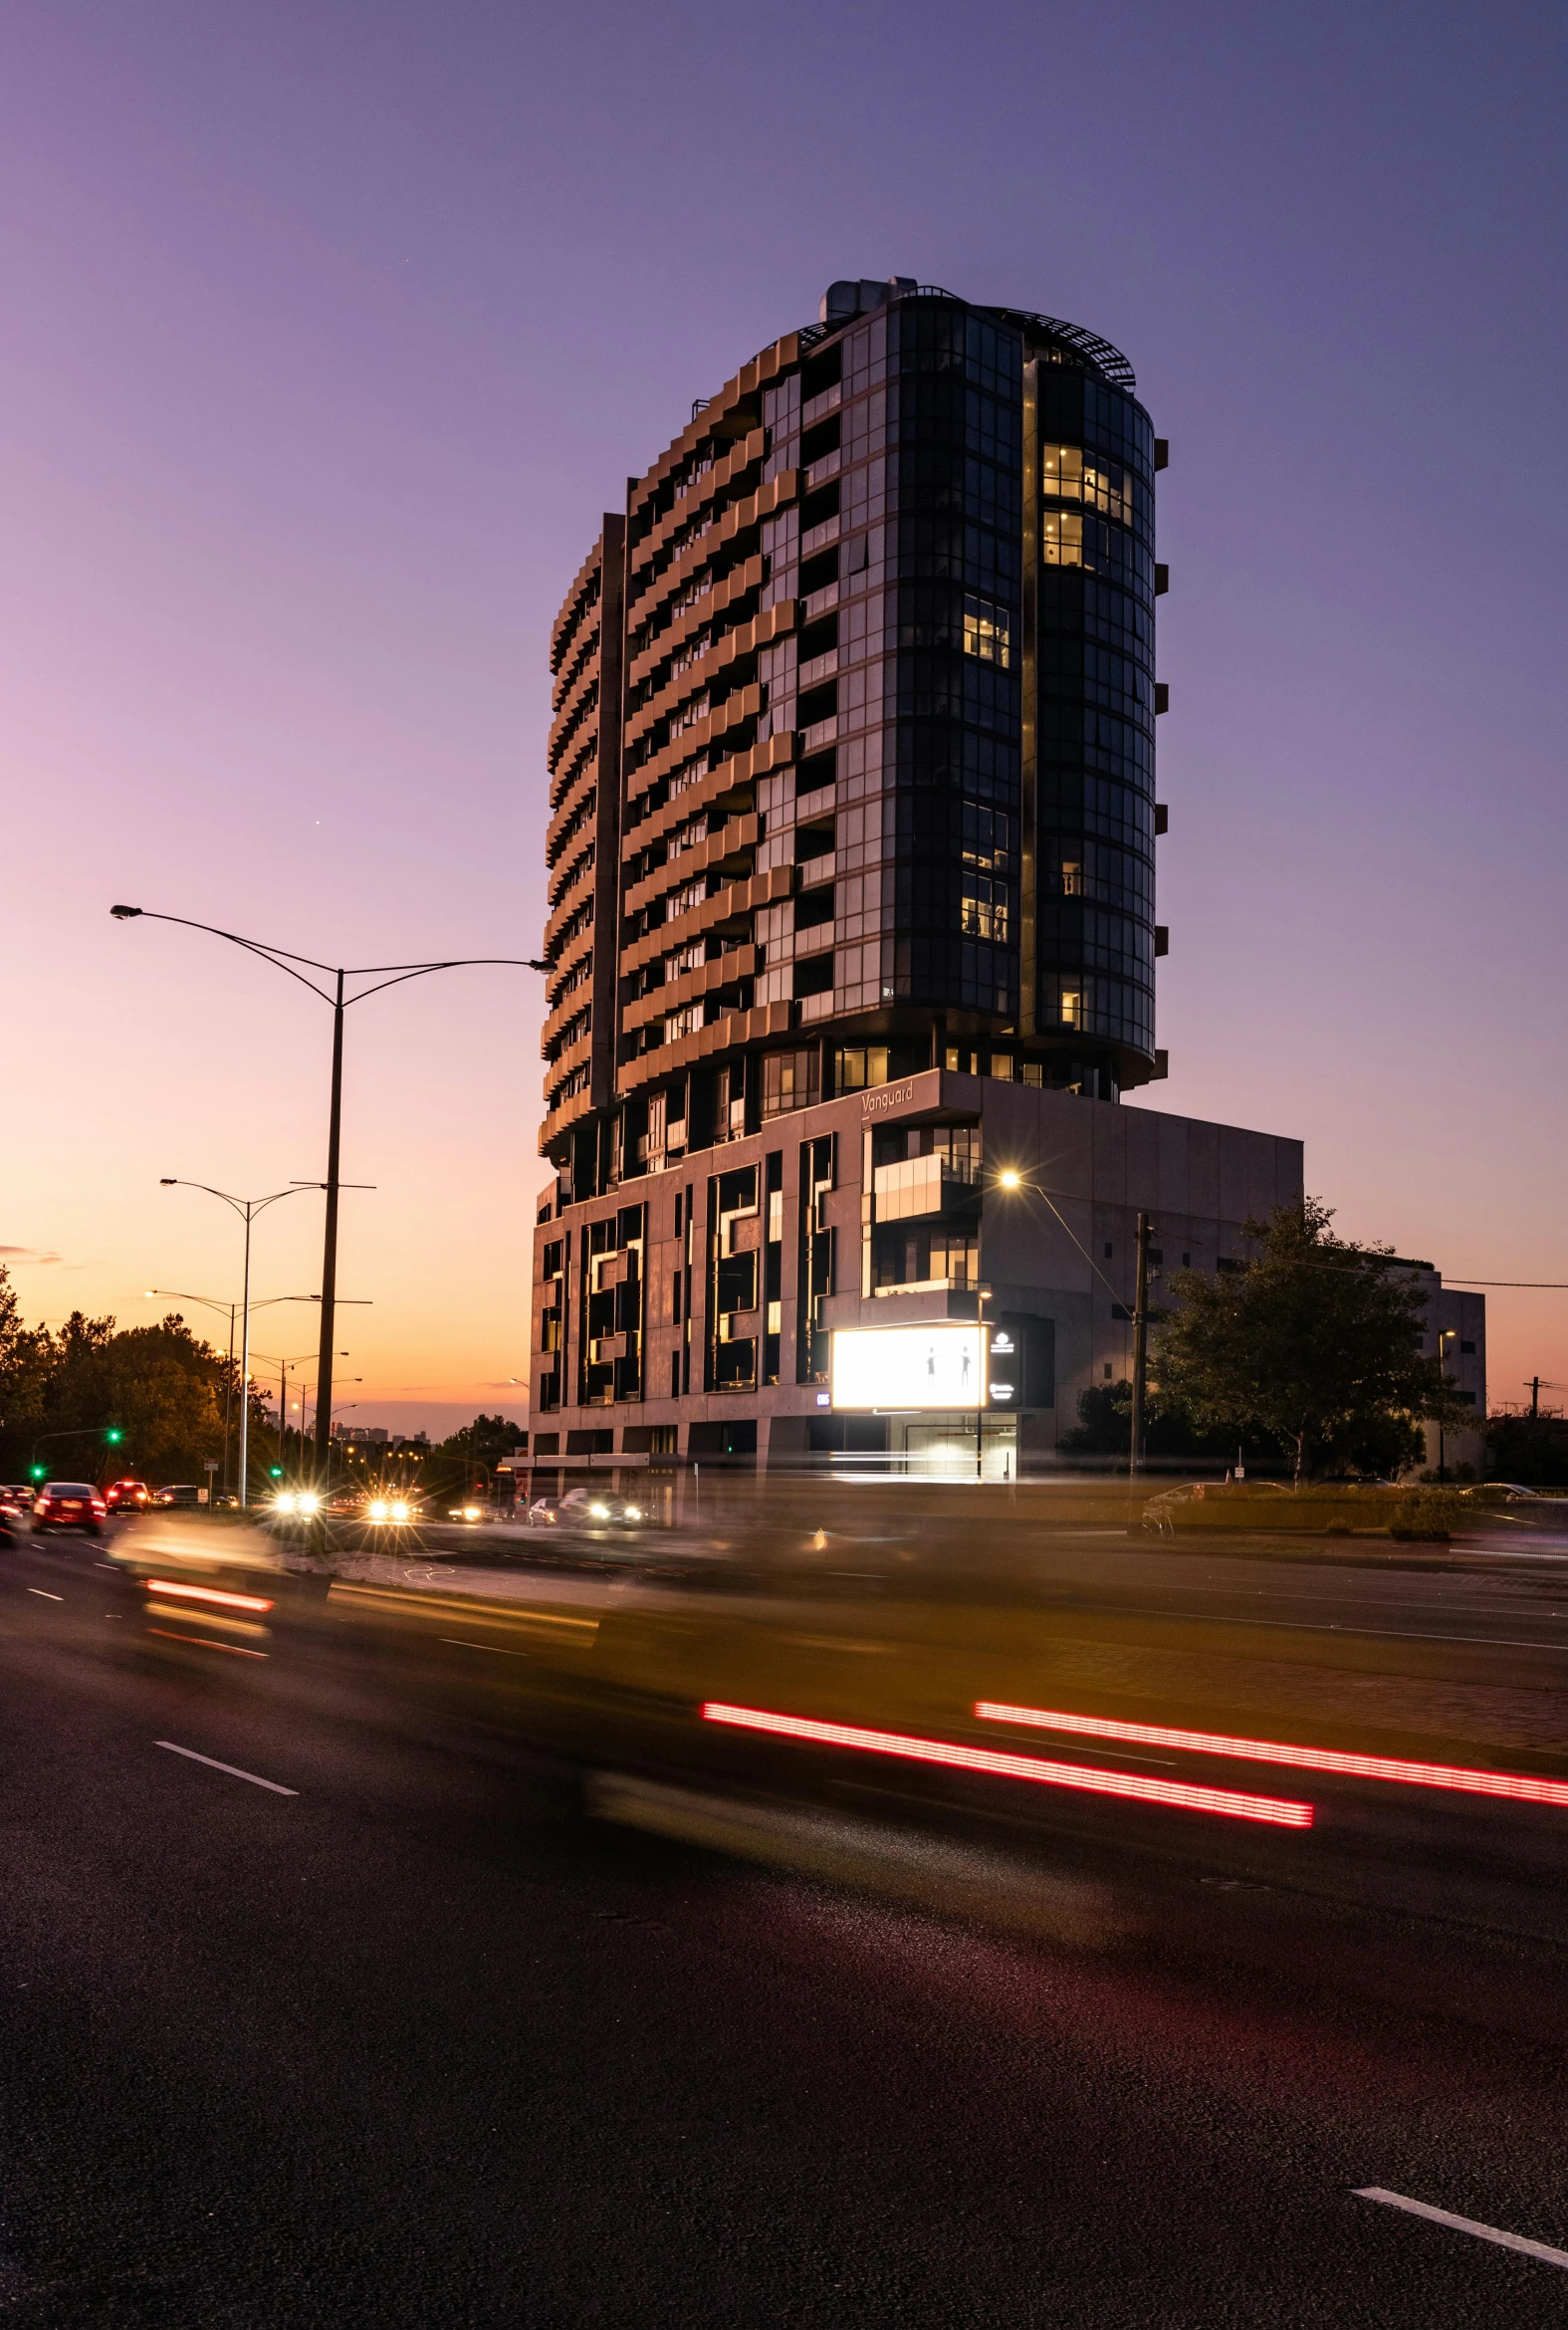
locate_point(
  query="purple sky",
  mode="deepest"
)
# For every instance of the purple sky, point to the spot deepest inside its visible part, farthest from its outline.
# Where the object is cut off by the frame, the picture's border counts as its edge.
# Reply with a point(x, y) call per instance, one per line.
point(330, 328)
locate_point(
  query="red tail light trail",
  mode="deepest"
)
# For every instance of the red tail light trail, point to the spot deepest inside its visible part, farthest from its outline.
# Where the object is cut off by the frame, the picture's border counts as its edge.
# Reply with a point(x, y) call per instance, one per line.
point(1186, 1796)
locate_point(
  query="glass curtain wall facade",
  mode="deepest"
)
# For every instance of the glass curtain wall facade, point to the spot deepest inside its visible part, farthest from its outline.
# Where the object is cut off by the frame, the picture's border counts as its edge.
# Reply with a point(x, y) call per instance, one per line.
point(866, 782)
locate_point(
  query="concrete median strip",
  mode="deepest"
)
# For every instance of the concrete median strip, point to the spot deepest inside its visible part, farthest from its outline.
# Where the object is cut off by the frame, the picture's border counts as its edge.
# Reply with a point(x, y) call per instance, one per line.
point(1463, 2225)
point(233, 1769)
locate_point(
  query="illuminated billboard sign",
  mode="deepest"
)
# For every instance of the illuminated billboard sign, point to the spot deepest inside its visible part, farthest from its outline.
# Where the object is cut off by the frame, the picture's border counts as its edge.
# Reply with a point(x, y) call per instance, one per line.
point(908, 1367)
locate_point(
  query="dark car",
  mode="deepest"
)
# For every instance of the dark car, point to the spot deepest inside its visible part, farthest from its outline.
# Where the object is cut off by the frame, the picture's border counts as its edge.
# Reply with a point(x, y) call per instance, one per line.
point(16, 1506)
point(70, 1504)
point(128, 1495)
point(184, 1494)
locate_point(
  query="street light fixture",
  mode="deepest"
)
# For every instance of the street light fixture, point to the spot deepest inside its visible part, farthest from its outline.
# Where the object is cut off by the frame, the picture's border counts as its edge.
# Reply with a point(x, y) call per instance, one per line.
point(247, 1209)
point(385, 975)
point(1445, 1335)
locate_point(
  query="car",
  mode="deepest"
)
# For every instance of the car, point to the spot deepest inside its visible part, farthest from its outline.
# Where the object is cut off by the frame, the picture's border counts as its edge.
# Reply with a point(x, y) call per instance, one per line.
point(595, 1508)
point(472, 1514)
point(182, 1494)
point(128, 1495)
point(70, 1504)
point(16, 1506)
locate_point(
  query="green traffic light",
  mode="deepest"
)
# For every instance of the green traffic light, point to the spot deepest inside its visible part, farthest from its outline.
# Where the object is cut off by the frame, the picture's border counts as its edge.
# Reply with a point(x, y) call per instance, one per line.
point(36, 1472)
point(274, 1472)
point(113, 1434)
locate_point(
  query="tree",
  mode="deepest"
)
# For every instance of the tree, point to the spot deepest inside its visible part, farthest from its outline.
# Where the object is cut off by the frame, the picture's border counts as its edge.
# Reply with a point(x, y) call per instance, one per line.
point(1315, 1342)
point(485, 1441)
point(1104, 1426)
point(27, 1361)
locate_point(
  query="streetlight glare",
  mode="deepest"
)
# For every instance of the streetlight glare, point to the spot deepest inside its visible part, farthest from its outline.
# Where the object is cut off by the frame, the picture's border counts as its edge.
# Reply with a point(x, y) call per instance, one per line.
point(1009, 1179)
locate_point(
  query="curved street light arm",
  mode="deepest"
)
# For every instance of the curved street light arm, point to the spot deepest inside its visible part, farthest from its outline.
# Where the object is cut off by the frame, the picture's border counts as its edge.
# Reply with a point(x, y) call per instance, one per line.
point(419, 970)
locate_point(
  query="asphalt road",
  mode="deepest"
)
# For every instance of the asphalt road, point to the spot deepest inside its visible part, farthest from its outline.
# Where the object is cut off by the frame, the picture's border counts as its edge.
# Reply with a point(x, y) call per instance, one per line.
point(421, 2043)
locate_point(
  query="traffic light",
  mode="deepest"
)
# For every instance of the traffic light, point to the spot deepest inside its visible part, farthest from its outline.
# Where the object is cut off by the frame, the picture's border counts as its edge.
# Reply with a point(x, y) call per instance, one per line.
point(274, 1472)
point(114, 1435)
point(37, 1472)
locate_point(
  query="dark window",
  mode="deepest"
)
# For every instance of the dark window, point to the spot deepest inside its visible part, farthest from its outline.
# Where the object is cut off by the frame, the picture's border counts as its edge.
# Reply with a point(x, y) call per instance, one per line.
point(789, 1081)
point(818, 506)
point(590, 1443)
point(1464, 1346)
point(1107, 1250)
point(817, 704)
point(548, 1444)
point(822, 439)
point(737, 1283)
point(813, 841)
point(553, 1259)
point(649, 1440)
point(822, 371)
point(819, 770)
point(813, 907)
point(813, 977)
point(817, 572)
point(737, 1190)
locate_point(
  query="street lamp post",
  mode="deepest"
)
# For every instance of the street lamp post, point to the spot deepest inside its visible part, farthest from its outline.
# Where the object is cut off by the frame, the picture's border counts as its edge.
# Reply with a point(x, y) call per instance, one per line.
point(247, 1209)
point(1445, 1335)
point(385, 975)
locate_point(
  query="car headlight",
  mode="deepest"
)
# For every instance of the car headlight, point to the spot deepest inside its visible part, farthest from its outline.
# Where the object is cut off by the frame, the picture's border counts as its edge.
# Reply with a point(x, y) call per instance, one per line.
point(399, 1513)
point(598, 1512)
point(286, 1502)
point(378, 1510)
point(470, 1513)
point(635, 1513)
point(310, 1501)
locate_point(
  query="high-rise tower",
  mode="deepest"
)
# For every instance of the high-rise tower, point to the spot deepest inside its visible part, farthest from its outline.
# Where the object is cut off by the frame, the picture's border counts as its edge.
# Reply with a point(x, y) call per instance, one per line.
point(851, 778)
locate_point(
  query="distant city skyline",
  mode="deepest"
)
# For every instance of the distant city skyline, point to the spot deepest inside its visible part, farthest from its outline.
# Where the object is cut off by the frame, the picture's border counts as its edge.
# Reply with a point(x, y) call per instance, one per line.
point(322, 335)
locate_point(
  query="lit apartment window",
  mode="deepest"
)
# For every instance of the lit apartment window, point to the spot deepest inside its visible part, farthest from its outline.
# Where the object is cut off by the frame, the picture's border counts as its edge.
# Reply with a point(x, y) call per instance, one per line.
point(1067, 476)
point(682, 1022)
point(984, 909)
point(1073, 877)
point(1061, 538)
point(987, 630)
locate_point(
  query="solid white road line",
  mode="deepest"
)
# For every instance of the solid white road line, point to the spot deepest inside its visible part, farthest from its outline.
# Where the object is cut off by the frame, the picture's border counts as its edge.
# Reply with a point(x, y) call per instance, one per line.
point(458, 1644)
point(232, 1770)
point(1465, 2225)
point(43, 1598)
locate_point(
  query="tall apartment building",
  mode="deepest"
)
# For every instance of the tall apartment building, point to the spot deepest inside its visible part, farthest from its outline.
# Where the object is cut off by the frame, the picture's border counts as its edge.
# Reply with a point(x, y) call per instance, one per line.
point(853, 746)
point(853, 893)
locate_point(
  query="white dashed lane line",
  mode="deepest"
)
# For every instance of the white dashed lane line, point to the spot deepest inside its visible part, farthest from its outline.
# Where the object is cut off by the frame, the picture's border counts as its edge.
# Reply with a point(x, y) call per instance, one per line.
point(232, 1770)
point(44, 1598)
point(1463, 2225)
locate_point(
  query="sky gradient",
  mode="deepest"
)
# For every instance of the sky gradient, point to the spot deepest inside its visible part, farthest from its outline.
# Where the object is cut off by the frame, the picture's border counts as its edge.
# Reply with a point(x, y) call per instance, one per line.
point(331, 330)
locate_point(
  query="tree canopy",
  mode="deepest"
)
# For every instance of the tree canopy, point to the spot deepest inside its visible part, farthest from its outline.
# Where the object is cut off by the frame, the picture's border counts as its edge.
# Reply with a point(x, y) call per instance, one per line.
point(62, 1394)
point(1315, 1342)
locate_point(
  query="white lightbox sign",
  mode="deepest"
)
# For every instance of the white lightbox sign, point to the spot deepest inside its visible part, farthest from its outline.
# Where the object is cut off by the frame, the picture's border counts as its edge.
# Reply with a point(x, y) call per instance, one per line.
point(908, 1367)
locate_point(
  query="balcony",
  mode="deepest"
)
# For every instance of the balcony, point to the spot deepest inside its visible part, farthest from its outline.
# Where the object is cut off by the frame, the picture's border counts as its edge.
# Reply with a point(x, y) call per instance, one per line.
point(917, 1186)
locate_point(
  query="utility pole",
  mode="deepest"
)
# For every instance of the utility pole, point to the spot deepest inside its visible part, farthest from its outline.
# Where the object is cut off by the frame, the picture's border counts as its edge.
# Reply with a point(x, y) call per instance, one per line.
point(1535, 1395)
point(1140, 1365)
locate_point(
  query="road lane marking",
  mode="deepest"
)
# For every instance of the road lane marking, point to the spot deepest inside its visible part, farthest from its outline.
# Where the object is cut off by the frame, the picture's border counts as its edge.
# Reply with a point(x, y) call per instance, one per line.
point(232, 1770)
point(1465, 2225)
point(205, 1642)
point(1308, 1626)
point(494, 1647)
point(43, 1597)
